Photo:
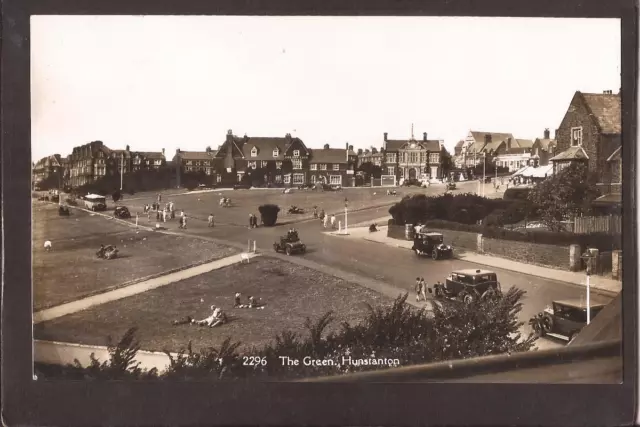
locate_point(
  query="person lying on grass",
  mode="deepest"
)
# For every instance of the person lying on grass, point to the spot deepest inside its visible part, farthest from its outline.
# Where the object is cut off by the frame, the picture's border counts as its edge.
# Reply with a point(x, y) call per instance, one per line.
point(217, 318)
point(252, 303)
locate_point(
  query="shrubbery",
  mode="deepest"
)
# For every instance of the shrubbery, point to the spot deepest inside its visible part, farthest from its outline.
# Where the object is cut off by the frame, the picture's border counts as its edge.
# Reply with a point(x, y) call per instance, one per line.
point(398, 331)
point(269, 214)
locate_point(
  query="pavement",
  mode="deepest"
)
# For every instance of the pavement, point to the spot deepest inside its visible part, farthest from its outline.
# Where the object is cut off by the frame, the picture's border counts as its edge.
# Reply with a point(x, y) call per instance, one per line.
point(136, 288)
point(598, 283)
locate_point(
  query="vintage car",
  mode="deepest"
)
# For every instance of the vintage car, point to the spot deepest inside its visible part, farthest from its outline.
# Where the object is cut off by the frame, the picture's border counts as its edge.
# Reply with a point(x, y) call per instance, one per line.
point(95, 202)
point(564, 319)
point(451, 186)
point(468, 286)
point(122, 212)
point(290, 244)
point(431, 244)
point(107, 252)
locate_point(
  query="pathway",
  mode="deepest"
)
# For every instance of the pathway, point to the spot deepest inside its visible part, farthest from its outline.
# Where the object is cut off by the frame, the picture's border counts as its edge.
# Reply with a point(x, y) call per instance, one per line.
point(137, 288)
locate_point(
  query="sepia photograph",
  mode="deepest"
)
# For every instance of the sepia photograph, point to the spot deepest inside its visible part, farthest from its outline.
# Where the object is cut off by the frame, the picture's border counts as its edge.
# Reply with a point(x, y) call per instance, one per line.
point(327, 199)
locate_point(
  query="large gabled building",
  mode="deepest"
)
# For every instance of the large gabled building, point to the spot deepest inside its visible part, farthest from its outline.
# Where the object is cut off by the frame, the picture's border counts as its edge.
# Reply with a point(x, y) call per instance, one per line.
point(412, 159)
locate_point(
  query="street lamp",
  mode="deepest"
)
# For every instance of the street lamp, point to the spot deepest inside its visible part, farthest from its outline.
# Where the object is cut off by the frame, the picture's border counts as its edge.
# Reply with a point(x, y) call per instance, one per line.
point(588, 256)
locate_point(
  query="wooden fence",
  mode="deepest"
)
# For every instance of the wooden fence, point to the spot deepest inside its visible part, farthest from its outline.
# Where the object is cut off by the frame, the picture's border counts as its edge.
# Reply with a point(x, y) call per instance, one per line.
point(611, 224)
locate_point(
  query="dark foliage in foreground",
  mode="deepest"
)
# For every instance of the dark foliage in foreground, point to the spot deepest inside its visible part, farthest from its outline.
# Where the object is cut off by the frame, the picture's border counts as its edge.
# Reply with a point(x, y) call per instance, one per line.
point(398, 331)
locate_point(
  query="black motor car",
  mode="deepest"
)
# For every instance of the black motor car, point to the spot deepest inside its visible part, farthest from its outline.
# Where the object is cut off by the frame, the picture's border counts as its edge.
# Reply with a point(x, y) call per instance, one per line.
point(564, 319)
point(122, 212)
point(431, 244)
point(468, 286)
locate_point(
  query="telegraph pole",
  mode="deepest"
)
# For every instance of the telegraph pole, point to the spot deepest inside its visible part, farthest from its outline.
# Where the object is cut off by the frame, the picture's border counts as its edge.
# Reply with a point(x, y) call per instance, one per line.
point(121, 170)
point(484, 170)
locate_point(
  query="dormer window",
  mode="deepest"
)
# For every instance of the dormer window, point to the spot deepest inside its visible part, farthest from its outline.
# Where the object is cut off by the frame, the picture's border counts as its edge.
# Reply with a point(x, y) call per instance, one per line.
point(254, 152)
point(276, 152)
point(296, 153)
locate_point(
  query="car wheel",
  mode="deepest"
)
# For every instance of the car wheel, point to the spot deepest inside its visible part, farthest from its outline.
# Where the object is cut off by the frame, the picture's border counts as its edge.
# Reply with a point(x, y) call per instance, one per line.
point(435, 255)
point(417, 251)
point(288, 250)
point(547, 324)
point(537, 329)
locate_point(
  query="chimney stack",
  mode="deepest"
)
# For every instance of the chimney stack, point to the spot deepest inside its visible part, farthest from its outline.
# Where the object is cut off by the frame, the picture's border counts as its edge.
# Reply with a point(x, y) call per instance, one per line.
point(351, 148)
point(508, 143)
point(385, 136)
point(326, 146)
point(546, 133)
point(359, 151)
point(163, 151)
point(374, 150)
point(424, 136)
point(177, 151)
point(555, 134)
point(127, 148)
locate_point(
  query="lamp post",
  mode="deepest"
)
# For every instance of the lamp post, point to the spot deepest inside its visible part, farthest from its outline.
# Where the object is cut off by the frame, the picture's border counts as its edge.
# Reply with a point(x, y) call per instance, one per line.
point(346, 212)
point(121, 170)
point(588, 257)
point(484, 170)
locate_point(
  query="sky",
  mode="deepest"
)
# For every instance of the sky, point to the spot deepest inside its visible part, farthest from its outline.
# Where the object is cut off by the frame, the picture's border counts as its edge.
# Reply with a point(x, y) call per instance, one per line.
point(154, 82)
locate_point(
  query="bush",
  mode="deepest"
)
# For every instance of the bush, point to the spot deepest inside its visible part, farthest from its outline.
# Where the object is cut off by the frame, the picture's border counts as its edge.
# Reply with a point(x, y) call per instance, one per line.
point(269, 214)
point(71, 202)
point(455, 226)
point(396, 331)
point(516, 193)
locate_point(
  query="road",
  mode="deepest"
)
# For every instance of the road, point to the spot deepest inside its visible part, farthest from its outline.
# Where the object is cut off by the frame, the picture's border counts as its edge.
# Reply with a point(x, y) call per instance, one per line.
point(395, 266)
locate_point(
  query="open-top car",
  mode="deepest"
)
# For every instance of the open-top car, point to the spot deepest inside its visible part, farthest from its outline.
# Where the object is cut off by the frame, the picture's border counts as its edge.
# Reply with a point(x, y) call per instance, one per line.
point(564, 318)
point(290, 244)
point(468, 286)
point(431, 244)
point(122, 212)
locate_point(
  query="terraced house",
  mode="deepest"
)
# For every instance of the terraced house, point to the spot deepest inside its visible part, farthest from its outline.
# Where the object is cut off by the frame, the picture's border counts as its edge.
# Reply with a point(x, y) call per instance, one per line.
point(413, 159)
point(89, 162)
point(333, 166)
point(197, 161)
point(264, 160)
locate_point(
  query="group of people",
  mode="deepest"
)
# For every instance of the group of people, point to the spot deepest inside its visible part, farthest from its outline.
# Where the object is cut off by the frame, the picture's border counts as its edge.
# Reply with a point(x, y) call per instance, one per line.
point(316, 215)
point(252, 302)
point(253, 221)
point(217, 318)
point(329, 219)
point(225, 202)
point(292, 235)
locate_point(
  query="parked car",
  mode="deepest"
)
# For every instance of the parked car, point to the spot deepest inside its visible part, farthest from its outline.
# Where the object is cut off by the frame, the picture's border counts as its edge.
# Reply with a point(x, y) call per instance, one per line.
point(122, 212)
point(290, 244)
point(563, 319)
point(431, 244)
point(468, 286)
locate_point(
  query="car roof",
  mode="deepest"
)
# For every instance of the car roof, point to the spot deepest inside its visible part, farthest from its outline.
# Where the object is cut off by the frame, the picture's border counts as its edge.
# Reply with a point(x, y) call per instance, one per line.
point(430, 233)
point(472, 272)
point(94, 196)
point(578, 303)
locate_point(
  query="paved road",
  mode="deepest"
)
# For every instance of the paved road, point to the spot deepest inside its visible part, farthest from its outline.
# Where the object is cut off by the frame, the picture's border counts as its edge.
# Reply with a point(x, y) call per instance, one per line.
point(398, 267)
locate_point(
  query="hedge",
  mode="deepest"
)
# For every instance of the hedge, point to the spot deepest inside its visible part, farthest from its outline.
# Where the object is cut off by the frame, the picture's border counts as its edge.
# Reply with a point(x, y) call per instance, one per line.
point(601, 241)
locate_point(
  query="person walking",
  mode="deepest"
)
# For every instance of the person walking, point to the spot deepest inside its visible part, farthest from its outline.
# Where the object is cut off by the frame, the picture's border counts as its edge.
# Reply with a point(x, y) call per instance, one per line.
point(164, 215)
point(210, 220)
point(184, 222)
point(255, 221)
point(333, 221)
point(418, 289)
point(424, 288)
point(326, 221)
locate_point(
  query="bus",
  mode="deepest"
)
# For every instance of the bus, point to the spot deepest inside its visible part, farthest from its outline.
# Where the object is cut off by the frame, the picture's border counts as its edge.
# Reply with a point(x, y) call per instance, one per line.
point(95, 202)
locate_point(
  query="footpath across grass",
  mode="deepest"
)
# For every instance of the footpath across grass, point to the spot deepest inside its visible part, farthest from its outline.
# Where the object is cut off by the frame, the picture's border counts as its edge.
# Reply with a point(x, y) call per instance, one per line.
point(71, 270)
point(290, 294)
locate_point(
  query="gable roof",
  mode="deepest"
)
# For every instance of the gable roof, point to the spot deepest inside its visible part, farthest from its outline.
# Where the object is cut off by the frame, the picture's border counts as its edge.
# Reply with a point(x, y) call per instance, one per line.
point(156, 155)
point(398, 144)
point(266, 145)
point(524, 143)
point(572, 153)
point(496, 137)
point(545, 143)
point(330, 155)
point(606, 110)
point(49, 161)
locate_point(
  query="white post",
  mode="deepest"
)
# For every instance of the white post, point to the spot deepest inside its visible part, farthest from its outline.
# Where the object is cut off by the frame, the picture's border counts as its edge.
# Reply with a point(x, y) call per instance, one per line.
point(136, 219)
point(339, 226)
point(254, 246)
point(248, 245)
point(121, 170)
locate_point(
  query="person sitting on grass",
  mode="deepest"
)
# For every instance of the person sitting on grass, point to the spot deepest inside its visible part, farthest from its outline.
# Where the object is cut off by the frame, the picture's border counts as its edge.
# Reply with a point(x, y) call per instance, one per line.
point(217, 318)
point(237, 303)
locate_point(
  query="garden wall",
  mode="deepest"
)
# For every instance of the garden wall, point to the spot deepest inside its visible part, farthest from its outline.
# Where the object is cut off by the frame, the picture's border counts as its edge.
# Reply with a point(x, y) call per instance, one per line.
point(530, 253)
point(459, 239)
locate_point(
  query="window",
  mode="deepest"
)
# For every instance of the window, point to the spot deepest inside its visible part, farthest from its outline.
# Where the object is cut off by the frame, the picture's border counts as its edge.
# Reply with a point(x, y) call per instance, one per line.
point(296, 153)
point(157, 162)
point(264, 163)
point(434, 158)
point(313, 167)
point(391, 170)
point(276, 152)
point(136, 161)
point(576, 136)
point(298, 178)
point(336, 167)
point(400, 172)
point(313, 179)
point(278, 178)
point(287, 179)
point(297, 163)
point(278, 165)
point(413, 157)
point(218, 178)
point(391, 158)
point(208, 171)
point(252, 165)
point(188, 163)
point(335, 179)
point(323, 167)
point(254, 152)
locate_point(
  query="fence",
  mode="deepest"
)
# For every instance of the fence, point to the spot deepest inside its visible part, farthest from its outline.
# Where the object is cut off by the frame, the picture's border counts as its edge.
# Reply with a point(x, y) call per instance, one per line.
point(611, 224)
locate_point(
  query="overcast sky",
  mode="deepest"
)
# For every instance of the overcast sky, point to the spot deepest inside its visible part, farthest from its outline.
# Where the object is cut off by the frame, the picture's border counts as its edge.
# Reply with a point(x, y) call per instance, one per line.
point(182, 82)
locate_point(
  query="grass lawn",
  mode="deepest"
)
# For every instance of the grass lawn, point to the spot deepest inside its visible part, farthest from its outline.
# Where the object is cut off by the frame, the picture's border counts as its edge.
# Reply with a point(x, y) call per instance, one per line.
point(71, 270)
point(291, 293)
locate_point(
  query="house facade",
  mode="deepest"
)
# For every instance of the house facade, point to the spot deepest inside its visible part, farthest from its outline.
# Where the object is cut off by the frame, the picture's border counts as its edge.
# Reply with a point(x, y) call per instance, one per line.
point(479, 146)
point(47, 167)
point(411, 158)
point(197, 161)
point(373, 156)
point(544, 148)
point(513, 154)
point(148, 160)
point(333, 166)
point(591, 131)
point(90, 162)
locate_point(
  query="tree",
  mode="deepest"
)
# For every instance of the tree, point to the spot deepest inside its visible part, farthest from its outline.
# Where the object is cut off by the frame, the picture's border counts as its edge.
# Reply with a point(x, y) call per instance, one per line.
point(565, 195)
point(370, 170)
point(269, 214)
